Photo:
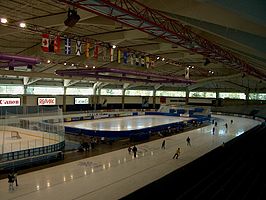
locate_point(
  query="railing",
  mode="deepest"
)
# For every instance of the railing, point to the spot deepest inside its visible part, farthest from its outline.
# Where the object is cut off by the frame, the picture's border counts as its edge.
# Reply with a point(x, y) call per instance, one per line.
point(31, 152)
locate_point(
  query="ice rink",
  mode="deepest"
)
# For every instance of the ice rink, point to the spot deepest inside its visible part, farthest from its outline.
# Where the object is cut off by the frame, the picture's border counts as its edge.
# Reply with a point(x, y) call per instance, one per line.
point(116, 174)
point(126, 123)
point(28, 139)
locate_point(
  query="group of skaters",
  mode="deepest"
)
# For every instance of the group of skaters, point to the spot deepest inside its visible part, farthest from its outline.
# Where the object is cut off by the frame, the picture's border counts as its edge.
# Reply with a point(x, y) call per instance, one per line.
point(134, 149)
point(12, 177)
point(215, 125)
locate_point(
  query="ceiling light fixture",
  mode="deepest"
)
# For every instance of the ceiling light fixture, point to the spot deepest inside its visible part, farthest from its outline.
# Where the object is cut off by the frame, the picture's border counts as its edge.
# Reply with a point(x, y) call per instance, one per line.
point(72, 18)
point(22, 25)
point(3, 20)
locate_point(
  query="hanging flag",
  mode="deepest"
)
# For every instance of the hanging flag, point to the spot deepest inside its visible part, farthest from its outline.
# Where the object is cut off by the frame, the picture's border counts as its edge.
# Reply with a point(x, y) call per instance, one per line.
point(51, 45)
point(131, 59)
point(111, 54)
point(147, 61)
point(87, 50)
point(118, 56)
point(137, 60)
point(96, 52)
point(187, 73)
point(45, 42)
point(104, 54)
point(78, 48)
point(67, 46)
point(142, 61)
point(125, 57)
point(152, 62)
point(57, 44)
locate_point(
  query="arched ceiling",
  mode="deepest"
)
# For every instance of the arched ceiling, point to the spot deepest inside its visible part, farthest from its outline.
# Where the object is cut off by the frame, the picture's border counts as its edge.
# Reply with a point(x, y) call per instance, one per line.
point(237, 26)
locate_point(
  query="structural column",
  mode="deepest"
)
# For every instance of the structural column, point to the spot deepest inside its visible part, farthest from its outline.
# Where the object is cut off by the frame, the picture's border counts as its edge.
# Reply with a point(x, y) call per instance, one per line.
point(64, 100)
point(247, 96)
point(123, 98)
point(24, 100)
point(154, 99)
point(187, 96)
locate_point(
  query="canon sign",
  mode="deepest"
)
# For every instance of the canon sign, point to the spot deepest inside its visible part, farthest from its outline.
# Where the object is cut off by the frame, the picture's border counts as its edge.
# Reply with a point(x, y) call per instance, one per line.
point(46, 101)
point(9, 101)
point(81, 100)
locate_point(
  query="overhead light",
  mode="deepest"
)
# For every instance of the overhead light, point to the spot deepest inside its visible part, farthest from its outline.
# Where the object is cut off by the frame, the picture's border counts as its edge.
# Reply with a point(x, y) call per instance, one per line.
point(22, 25)
point(3, 20)
point(72, 18)
point(86, 66)
point(192, 67)
point(114, 46)
point(158, 57)
point(65, 63)
point(163, 59)
point(93, 67)
point(72, 65)
point(48, 61)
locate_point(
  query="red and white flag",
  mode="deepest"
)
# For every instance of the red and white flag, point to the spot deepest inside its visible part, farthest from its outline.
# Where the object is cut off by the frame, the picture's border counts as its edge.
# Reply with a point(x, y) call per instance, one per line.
point(45, 42)
point(57, 44)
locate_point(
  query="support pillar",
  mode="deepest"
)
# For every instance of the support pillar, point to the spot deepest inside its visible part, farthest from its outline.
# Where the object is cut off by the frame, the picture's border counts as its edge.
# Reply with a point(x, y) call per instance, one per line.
point(64, 100)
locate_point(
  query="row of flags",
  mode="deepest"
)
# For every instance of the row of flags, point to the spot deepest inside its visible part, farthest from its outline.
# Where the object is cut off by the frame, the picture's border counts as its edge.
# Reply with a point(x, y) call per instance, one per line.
point(93, 50)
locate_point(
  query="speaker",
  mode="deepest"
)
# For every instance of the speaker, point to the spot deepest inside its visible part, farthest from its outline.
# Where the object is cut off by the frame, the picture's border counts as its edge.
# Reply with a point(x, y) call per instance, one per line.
point(72, 18)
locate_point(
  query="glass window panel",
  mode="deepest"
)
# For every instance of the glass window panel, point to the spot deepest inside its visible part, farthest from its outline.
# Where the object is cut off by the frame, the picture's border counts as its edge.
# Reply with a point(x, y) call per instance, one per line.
point(139, 93)
point(111, 92)
point(11, 89)
point(202, 94)
point(257, 96)
point(45, 90)
point(170, 93)
point(79, 91)
point(232, 95)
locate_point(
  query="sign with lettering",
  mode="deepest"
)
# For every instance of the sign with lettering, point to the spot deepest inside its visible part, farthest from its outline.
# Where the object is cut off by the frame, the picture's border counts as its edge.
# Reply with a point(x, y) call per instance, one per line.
point(81, 100)
point(9, 101)
point(46, 101)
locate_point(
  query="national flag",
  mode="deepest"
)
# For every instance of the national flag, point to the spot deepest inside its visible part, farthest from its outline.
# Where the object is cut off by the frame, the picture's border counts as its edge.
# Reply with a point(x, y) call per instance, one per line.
point(152, 62)
point(131, 59)
point(147, 61)
point(187, 73)
point(96, 51)
point(78, 48)
point(45, 42)
point(104, 54)
point(67, 46)
point(51, 45)
point(57, 42)
point(87, 50)
point(118, 56)
point(142, 61)
point(111, 54)
point(137, 60)
point(125, 57)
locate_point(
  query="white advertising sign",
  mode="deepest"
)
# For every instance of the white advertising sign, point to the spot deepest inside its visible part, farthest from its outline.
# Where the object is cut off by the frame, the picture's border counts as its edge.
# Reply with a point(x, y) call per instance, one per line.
point(81, 100)
point(9, 101)
point(46, 101)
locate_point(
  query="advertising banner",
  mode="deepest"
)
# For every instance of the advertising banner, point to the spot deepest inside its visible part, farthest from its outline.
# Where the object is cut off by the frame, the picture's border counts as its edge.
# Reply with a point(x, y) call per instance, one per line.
point(9, 101)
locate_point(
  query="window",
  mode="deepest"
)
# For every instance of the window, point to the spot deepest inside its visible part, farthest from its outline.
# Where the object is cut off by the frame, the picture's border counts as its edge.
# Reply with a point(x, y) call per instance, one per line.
point(162, 93)
point(139, 93)
point(11, 89)
point(232, 95)
point(112, 92)
point(257, 96)
point(202, 94)
point(79, 91)
point(45, 90)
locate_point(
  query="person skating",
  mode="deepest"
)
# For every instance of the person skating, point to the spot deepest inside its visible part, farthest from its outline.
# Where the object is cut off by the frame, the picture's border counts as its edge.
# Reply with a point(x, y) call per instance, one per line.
point(177, 153)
